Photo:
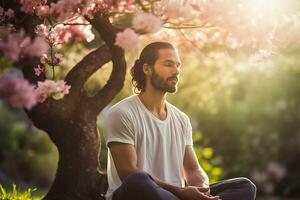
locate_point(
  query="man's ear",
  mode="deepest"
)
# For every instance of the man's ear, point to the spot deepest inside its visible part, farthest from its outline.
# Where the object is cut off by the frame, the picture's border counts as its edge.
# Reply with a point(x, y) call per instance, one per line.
point(147, 69)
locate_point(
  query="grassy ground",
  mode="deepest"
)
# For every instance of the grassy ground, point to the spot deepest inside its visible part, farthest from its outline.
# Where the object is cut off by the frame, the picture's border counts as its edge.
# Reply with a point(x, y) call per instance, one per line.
point(22, 193)
point(37, 194)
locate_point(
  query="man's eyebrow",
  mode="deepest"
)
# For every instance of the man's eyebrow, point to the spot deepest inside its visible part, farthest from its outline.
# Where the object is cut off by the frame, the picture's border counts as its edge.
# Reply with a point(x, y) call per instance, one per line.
point(171, 61)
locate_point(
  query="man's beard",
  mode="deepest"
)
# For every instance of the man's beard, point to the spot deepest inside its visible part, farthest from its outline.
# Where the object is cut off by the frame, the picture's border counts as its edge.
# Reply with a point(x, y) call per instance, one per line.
point(161, 84)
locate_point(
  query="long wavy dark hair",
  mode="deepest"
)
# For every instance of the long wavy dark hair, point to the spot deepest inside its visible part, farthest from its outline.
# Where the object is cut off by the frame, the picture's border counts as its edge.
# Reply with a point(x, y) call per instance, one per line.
point(149, 55)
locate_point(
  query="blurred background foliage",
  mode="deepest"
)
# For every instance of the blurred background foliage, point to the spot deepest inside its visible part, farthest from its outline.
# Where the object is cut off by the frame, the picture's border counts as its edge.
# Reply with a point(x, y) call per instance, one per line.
point(27, 156)
point(245, 118)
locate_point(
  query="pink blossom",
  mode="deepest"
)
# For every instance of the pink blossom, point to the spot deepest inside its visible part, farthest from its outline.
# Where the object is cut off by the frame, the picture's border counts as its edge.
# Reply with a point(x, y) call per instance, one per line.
point(62, 87)
point(7, 84)
point(42, 30)
point(52, 35)
point(10, 14)
point(38, 70)
point(10, 47)
point(4, 31)
point(25, 42)
point(127, 39)
point(24, 95)
point(51, 88)
point(44, 59)
point(15, 44)
point(176, 10)
point(260, 177)
point(59, 34)
point(44, 89)
point(43, 11)
point(18, 92)
point(1, 11)
point(76, 32)
point(146, 22)
point(38, 47)
point(57, 58)
point(268, 188)
point(276, 170)
point(108, 6)
point(29, 6)
point(2, 17)
point(65, 9)
point(64, 33)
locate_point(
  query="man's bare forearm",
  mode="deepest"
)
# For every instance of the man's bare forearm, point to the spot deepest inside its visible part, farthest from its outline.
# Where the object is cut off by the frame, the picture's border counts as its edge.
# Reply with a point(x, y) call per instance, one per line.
point(197, 178)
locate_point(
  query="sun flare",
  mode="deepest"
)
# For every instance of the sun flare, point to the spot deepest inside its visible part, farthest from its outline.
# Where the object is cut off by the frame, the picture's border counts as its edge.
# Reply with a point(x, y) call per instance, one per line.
point(271, 8)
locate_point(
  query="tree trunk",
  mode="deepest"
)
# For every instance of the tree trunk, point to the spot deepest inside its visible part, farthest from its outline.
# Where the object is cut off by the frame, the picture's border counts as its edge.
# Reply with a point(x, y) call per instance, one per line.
point(78, 176)
point(71, 121)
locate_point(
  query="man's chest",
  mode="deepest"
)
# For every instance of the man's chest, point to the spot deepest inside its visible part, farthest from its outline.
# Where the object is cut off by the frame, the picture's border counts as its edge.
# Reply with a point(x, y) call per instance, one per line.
point(152, 136)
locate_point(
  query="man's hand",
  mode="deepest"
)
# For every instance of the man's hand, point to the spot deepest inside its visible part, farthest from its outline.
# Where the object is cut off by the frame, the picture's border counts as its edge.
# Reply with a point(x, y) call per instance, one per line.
point(204, 190)
point(195, 193)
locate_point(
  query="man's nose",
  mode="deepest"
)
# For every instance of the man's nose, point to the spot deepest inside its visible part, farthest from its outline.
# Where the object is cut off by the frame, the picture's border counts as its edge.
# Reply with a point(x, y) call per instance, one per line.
point(177, 71)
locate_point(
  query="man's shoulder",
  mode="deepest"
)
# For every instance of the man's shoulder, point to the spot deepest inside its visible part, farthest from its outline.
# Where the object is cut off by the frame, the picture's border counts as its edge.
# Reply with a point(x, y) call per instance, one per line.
point(177, 112)
point(123, 107)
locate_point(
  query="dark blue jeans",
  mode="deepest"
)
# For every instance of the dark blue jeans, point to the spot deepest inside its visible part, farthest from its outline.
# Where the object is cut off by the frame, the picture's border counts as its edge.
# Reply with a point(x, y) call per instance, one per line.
point(139, 186)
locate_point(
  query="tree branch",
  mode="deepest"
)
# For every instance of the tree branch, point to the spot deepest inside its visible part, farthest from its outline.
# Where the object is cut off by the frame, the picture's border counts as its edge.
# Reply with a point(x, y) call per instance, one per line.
point(85, 68)
point(116, 80)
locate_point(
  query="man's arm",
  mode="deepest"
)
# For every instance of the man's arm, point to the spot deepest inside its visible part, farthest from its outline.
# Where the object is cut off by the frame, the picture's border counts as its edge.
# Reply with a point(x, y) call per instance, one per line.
point(193, 172)
point(125, 160)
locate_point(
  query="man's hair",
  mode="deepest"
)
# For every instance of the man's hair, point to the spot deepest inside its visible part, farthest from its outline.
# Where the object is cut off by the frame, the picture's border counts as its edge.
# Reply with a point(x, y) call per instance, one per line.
point(149, 55)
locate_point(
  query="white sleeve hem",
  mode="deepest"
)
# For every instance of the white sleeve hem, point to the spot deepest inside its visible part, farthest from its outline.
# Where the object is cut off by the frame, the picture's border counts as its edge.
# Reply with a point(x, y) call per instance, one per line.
point(189, 144)
point(118, 140)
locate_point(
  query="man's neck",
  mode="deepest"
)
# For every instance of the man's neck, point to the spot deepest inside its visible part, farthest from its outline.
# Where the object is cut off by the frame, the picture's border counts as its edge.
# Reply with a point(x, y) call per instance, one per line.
point(154, 101)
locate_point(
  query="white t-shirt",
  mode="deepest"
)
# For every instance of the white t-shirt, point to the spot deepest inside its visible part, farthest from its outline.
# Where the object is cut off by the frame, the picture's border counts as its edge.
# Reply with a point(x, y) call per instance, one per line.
point(159, 144)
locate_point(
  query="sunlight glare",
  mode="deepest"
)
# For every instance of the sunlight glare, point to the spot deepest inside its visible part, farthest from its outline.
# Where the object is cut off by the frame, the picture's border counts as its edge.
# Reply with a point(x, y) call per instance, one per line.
point(268, 8)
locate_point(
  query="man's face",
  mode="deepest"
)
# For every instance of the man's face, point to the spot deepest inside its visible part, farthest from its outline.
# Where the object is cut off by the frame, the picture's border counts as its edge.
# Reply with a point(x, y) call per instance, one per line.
point(165, 73)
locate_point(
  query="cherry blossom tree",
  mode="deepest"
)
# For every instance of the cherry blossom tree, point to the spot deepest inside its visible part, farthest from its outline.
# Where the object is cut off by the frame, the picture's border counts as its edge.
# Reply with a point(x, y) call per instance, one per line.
point(31, 31)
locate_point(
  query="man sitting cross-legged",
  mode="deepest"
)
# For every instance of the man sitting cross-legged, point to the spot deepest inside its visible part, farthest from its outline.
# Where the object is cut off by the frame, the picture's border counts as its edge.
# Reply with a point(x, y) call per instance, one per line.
point(149, 140)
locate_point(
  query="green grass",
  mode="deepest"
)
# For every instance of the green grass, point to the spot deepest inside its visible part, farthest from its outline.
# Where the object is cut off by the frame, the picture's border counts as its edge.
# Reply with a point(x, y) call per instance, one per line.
point(17, 194)
point(34, 194)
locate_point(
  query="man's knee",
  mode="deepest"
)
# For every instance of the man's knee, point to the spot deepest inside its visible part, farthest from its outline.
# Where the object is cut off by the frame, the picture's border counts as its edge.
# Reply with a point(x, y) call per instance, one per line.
point(140, 184)
point(140, 181)
point(249, 187)
point(136, 178)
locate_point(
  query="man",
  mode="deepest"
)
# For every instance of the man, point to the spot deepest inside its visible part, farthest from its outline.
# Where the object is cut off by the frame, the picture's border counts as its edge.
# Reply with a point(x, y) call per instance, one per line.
point(150, 152)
